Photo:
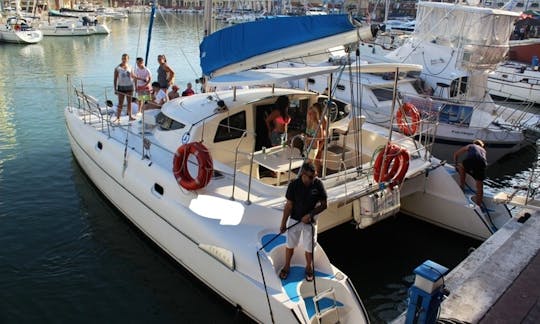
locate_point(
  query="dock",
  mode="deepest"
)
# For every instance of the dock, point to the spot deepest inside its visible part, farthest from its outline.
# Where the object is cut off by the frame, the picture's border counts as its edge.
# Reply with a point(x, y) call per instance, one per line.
point(499, 282)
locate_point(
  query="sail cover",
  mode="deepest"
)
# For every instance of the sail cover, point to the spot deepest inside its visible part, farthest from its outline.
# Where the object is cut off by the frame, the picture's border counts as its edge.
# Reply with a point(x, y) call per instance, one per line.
point(248, 45)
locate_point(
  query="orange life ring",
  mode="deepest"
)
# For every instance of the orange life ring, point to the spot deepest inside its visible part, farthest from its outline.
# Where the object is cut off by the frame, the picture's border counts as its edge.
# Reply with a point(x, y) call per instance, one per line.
point(410, 111)
point(17, 27)
point(180, 167)
point(395, 164)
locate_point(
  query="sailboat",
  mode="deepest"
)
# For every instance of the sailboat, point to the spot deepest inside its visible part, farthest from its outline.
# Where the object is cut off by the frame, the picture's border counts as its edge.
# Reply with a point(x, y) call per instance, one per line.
point(83, 26)
point(17, 30)
point(189, 175)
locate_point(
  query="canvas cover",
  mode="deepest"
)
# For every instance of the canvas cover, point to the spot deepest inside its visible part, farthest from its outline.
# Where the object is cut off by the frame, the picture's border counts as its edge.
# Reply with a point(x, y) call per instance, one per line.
point(482, 33)
point(245, 41)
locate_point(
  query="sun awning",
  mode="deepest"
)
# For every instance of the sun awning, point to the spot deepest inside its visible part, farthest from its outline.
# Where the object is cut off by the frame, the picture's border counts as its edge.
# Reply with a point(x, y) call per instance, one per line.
point(282, 75)
point(269, 76)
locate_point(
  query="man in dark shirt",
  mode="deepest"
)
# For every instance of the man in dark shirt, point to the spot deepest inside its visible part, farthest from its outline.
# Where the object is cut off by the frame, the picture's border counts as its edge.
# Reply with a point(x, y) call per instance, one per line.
point(475, 164)
point(306, 198)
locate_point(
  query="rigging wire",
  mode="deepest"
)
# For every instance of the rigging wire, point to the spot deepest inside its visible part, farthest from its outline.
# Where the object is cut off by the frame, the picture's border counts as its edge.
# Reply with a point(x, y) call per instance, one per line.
point(181, 49)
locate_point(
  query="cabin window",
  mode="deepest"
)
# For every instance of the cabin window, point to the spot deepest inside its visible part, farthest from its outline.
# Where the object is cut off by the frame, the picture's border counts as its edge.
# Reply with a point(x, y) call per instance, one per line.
point(231, 127)
point(166, 123)
point(456, 114)
point(383, 94)
point(458, 86)
point(519, 4)
point(158, 189)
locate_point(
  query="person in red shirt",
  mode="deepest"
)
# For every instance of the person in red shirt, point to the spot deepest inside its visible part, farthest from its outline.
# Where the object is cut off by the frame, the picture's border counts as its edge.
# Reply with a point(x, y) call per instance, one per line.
point(189, 91)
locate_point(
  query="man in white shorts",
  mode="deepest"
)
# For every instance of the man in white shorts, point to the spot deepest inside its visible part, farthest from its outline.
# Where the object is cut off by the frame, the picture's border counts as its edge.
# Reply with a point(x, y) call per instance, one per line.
point(306, 198)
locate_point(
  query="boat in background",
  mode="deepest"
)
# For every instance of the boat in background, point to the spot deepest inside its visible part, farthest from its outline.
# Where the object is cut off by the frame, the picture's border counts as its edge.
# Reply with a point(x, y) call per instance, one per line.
point(523, 50)
point(56, 13)
point(83, 26)
point(458, 45)
point(516, 81)
point(112, 13)
point(18, 31)
point(518, 77)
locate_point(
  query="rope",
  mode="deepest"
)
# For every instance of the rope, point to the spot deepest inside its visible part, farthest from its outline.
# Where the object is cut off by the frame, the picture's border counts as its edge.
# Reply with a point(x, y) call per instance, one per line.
point(262, 272)
point(484, 208)
point(181, 49)
point(124, 165)
point(139, 40)
point(313, 261)
point(265, 287)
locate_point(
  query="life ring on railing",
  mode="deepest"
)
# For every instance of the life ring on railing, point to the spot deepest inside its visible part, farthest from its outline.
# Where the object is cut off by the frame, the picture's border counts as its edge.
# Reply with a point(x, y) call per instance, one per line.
point(395, 164)
point(180, 166)
point(17, 27)
point(408, 109)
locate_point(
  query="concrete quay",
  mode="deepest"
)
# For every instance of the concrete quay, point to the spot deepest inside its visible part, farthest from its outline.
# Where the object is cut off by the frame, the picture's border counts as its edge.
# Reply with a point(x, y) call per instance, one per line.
point(499, 282)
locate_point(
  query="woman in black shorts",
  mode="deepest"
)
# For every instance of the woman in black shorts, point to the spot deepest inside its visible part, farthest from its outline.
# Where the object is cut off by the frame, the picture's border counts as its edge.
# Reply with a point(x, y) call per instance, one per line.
point(123, 85)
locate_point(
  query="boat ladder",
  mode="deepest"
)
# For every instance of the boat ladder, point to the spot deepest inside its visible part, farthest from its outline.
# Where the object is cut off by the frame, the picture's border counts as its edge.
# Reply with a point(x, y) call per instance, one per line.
point(332, 309)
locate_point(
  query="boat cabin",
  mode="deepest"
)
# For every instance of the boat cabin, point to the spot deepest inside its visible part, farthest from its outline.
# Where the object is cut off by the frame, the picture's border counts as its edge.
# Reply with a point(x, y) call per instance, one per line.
point(232, 126)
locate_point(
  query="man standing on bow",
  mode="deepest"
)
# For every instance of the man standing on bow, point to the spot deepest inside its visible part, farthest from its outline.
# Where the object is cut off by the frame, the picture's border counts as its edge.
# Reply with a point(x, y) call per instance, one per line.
point(306, 198)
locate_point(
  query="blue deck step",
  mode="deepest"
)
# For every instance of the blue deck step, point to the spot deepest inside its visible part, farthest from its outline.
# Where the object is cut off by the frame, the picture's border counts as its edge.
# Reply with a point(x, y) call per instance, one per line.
point(324, 304)
point(296, 276)
point(281, 239)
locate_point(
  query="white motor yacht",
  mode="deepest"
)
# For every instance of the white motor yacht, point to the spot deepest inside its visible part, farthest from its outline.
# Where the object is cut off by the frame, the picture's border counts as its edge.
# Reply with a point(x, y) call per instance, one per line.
point(458, 45)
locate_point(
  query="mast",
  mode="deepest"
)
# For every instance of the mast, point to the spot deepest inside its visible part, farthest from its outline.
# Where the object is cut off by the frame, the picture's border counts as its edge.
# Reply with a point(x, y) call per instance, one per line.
point(386, 10)
point(150, 24)
point(207, 17)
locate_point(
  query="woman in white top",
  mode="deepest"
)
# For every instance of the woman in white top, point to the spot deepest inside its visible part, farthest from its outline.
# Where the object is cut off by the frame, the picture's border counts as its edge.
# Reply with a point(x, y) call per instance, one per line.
point(123, 85)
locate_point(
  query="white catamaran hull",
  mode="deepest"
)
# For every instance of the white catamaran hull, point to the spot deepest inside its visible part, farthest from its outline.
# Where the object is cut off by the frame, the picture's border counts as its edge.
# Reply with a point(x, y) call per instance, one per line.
point(194, 241)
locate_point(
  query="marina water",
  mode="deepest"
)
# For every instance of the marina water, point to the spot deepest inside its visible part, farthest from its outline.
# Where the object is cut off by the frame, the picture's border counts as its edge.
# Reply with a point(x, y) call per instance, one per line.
point(67, 255)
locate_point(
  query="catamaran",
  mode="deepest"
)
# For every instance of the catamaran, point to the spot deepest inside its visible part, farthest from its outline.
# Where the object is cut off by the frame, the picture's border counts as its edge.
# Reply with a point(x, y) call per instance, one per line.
point(190, 175)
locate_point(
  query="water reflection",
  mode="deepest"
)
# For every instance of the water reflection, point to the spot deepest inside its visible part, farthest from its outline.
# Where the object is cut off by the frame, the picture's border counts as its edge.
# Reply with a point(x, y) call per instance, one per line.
point(34, 51)
point(514, 169)
point(8, 131)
